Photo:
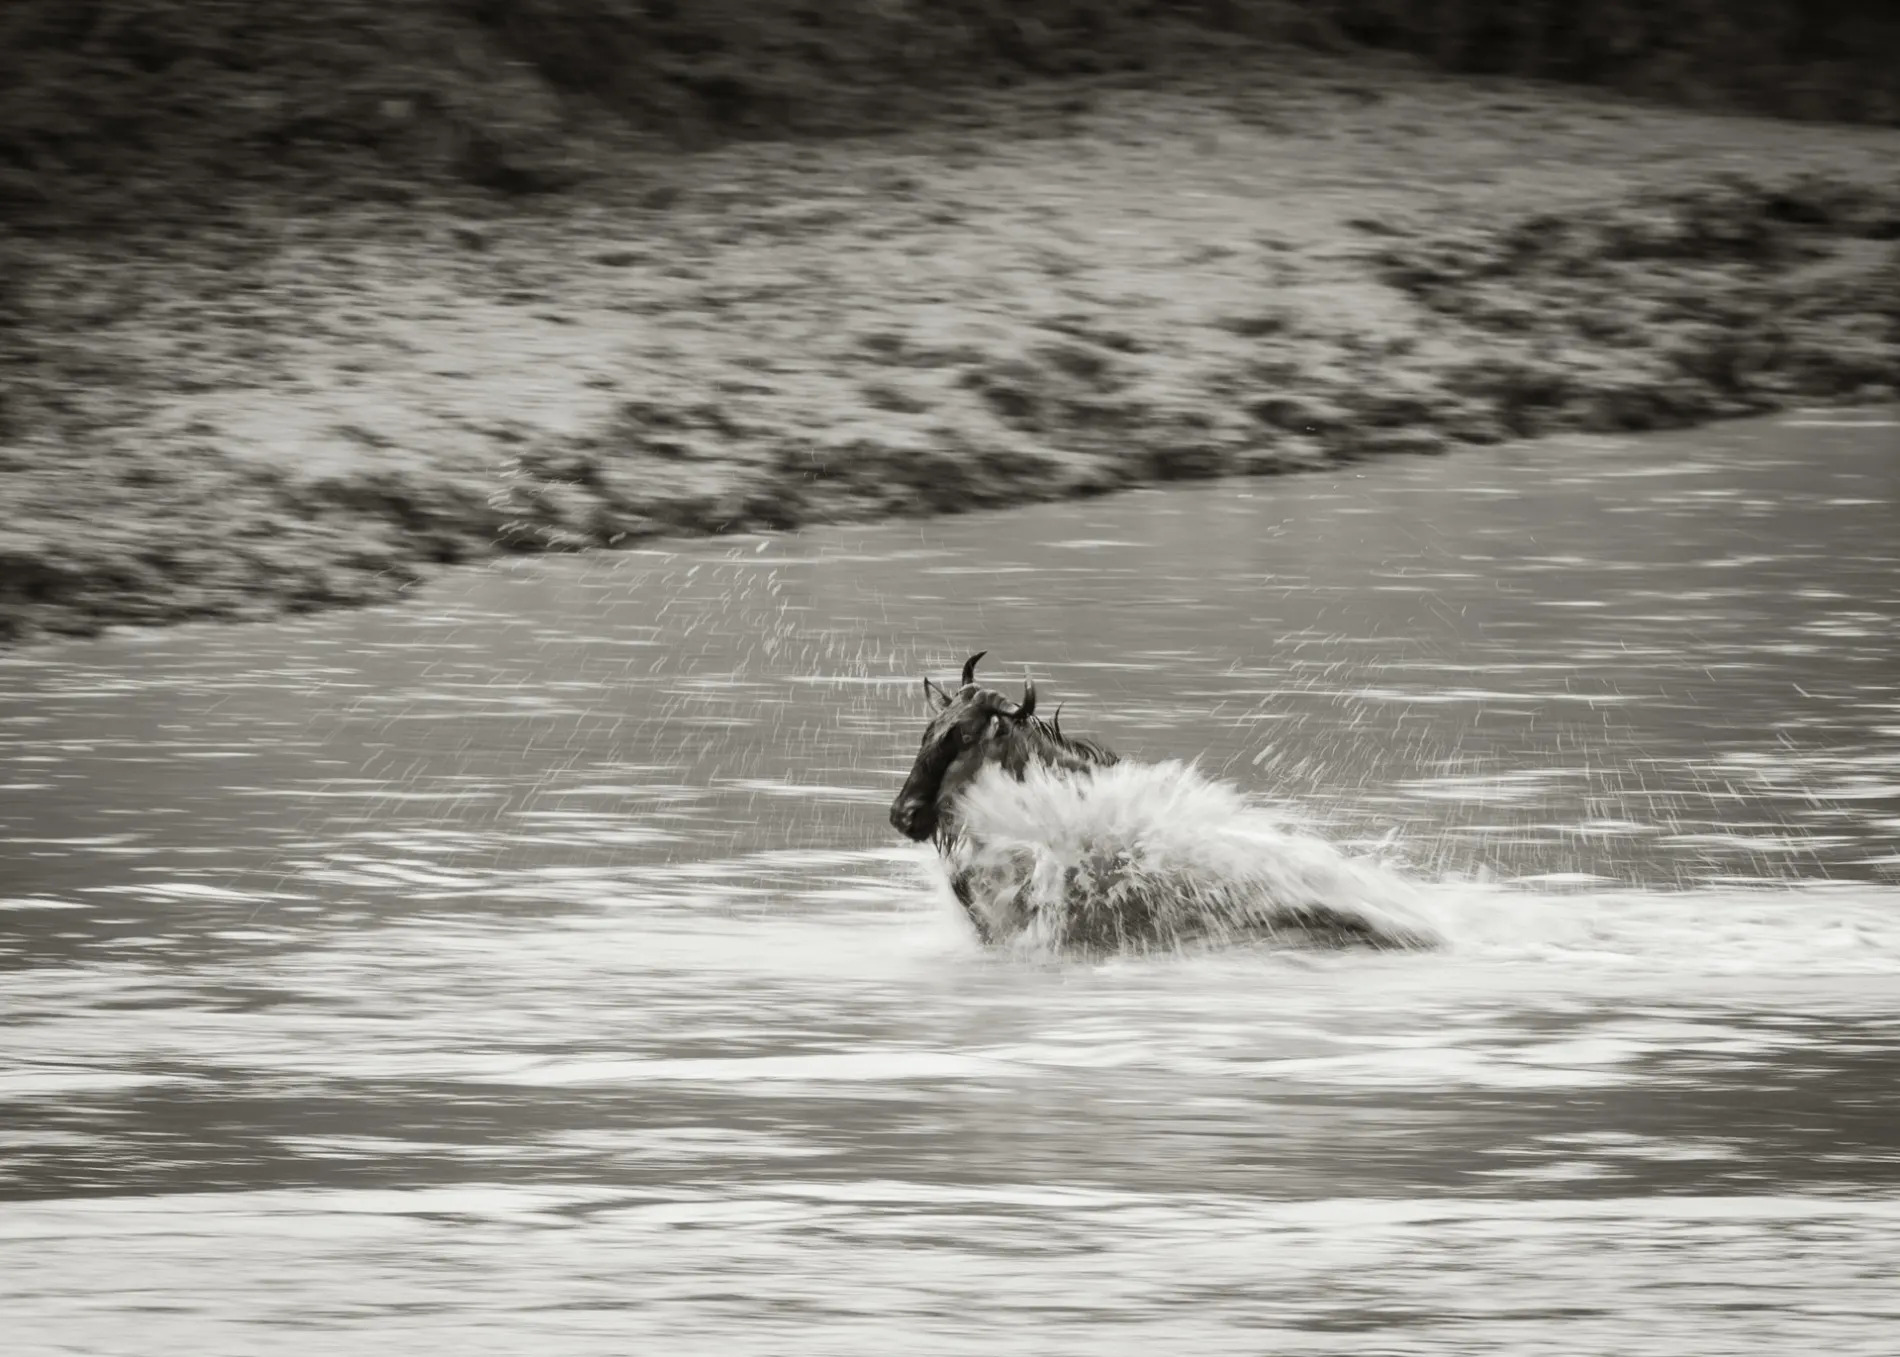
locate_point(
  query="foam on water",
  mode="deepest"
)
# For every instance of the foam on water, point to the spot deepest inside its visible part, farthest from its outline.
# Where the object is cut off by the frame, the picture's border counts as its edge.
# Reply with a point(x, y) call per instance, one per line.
point(1788, 929)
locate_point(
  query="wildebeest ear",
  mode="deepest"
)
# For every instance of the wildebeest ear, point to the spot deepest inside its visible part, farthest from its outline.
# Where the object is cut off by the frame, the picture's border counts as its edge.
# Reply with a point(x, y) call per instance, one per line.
point(937, 696)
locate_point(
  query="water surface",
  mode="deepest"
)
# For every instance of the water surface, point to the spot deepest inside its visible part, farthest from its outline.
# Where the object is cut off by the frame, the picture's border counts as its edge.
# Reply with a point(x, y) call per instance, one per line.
point(531, 968)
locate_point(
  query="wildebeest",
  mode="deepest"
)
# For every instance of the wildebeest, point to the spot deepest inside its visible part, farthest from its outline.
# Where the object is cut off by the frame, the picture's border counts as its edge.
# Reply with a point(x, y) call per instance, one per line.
point(973, 729)
point(1099, 855)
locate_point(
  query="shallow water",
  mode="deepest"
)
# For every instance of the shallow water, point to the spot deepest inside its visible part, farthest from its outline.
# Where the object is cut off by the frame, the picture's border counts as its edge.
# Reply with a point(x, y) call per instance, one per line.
point(531, 968)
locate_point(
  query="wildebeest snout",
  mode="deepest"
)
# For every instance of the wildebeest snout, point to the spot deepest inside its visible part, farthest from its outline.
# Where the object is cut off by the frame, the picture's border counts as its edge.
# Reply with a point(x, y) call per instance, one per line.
point(913, 819)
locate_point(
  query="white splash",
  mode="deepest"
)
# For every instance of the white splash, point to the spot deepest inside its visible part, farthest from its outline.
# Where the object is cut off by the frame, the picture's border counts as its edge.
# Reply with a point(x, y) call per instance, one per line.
point(1144, 856)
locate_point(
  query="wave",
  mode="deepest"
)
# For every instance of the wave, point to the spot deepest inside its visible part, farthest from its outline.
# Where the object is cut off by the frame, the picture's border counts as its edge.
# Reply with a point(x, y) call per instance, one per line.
point(1787, 928)
point(1142, 857)
point(1157, 857)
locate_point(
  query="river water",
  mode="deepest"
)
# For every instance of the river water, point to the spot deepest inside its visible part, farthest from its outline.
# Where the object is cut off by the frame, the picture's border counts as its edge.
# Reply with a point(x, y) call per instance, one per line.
point(530, 967)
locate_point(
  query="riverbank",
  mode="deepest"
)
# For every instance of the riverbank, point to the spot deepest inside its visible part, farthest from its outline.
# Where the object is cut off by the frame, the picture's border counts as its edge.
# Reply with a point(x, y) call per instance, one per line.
point(1059, 290)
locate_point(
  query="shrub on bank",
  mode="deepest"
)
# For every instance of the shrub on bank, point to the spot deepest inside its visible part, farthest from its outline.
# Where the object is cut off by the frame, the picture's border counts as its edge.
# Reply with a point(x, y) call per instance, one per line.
point(116, 107)
point(186, 98)
point(1827, 59)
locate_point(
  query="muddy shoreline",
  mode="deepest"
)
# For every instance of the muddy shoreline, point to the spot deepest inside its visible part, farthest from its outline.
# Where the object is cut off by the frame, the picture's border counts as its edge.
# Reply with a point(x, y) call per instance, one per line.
point(1071, 289)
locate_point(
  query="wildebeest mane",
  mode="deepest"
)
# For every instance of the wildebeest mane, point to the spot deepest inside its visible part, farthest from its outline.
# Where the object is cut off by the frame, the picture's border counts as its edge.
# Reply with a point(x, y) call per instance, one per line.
point(1091, 753)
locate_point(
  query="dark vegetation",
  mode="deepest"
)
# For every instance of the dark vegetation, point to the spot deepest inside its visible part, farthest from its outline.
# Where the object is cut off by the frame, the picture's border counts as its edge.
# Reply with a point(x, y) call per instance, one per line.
point(1828, 59)
point(108, 107)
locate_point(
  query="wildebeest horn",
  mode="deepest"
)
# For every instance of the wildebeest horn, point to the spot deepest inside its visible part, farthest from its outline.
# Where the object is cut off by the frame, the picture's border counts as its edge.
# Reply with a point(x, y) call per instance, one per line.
point(969, 667)
point(1016, 711)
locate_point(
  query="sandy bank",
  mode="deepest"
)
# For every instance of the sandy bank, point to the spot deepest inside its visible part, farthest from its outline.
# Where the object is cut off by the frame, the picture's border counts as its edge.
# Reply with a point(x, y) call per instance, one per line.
point(1074, 288)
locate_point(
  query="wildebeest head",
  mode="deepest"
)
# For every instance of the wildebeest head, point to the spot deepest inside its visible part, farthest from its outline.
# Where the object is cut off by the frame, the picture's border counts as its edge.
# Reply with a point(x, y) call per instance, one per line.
point(971, 727)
